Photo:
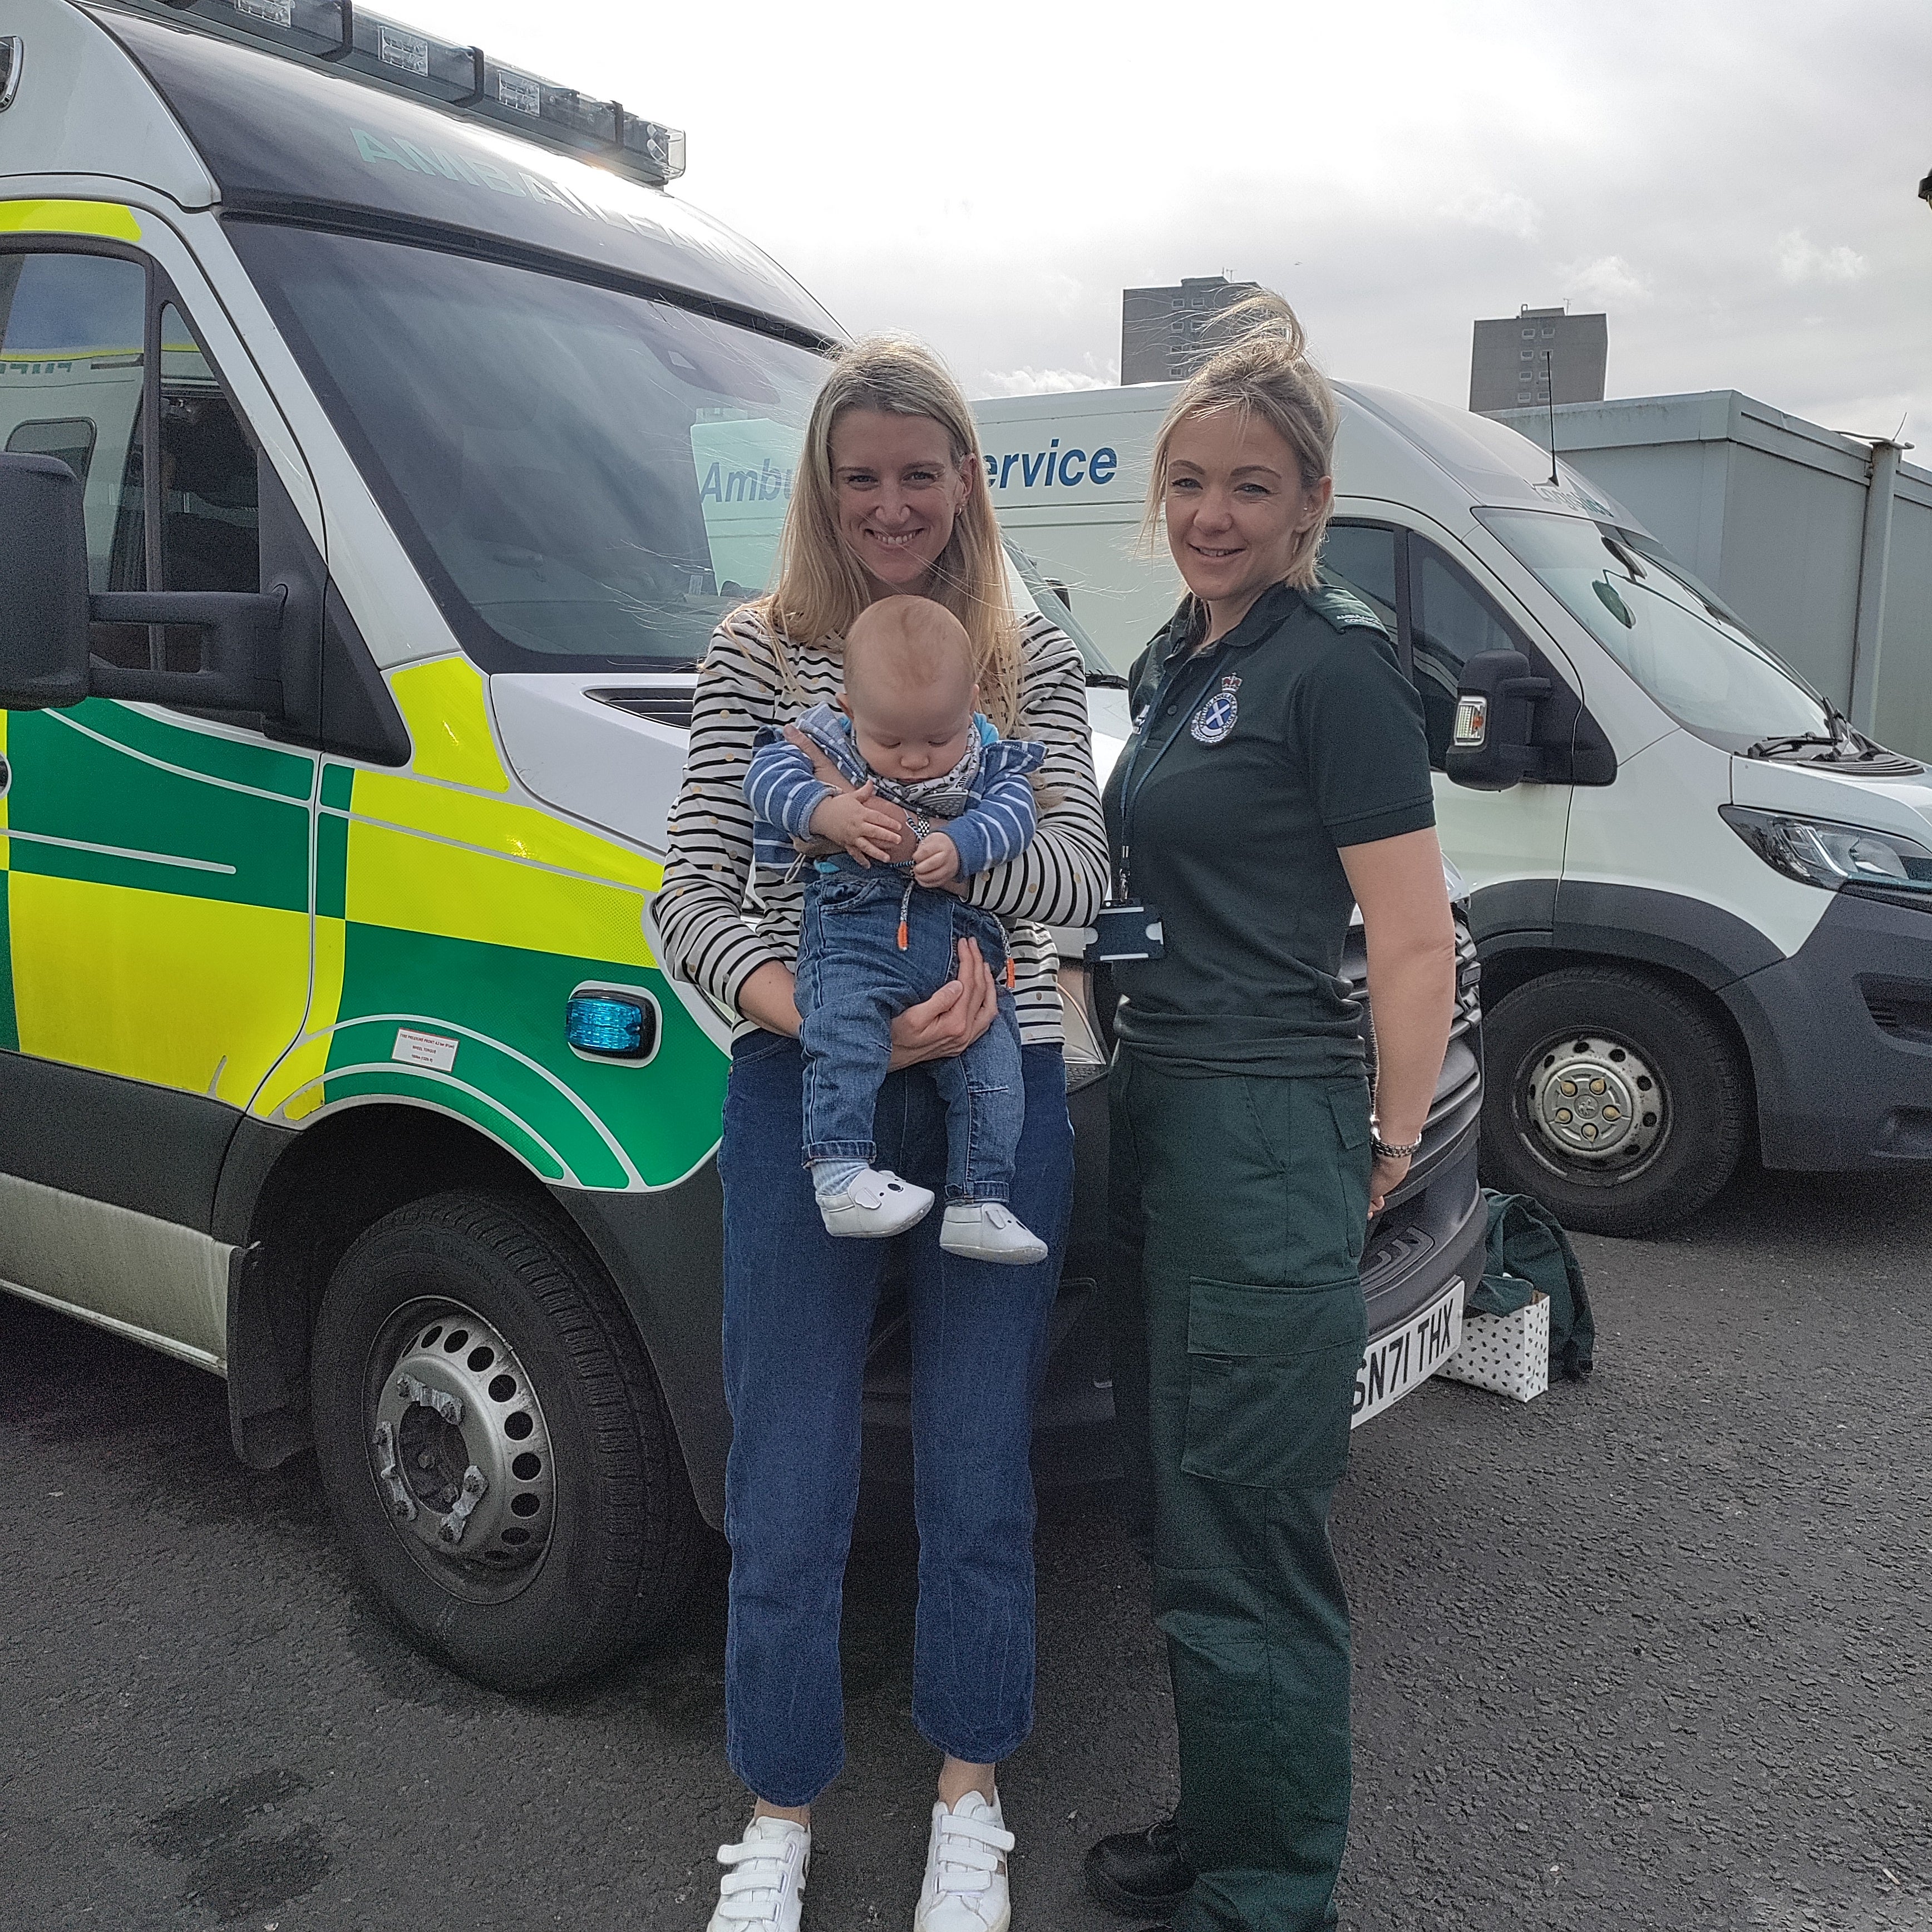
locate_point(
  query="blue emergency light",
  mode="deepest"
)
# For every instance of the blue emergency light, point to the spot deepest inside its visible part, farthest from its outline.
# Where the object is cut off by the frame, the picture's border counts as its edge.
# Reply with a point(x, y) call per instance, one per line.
point(610, 1026)
point(345, 37)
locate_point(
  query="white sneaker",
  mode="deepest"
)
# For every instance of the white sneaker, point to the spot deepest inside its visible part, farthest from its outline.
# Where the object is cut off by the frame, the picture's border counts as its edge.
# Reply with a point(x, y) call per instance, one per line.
point(876, 1203)
point(989, 1230)
point(763, 1885)
point(965, 1888)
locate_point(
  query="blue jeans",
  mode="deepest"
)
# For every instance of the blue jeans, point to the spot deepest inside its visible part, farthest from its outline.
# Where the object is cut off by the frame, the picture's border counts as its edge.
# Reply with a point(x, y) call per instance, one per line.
point(853, 980)
point(798, 1310)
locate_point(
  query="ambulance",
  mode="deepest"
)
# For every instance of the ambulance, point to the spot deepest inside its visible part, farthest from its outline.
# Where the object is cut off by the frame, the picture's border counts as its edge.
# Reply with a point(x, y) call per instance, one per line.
point(1700, 897)
point(380, 444)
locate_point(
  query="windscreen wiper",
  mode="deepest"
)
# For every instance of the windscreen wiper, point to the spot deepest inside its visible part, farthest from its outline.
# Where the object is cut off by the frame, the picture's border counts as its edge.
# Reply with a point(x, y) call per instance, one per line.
point(1851, 744)
point(1769, 748)
point(1839, 738)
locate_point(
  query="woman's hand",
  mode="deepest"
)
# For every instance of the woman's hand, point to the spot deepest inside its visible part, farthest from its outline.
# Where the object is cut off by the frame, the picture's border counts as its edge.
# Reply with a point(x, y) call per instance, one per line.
point(1385, 1177)
point(952, 1019)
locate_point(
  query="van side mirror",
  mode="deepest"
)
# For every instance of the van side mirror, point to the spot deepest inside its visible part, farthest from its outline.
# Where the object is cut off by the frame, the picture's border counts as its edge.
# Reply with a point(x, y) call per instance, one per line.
point(1492, 747)
point(43, 586)
point(46, 610)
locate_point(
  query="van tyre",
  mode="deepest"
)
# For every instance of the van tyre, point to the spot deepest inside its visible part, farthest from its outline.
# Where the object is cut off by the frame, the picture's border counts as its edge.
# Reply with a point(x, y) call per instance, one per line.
point(492, 1444)
point(1612, 1097)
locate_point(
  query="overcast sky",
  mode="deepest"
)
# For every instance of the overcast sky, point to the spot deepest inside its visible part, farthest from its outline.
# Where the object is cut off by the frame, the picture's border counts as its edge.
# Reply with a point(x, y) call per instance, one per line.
point(1733, 181)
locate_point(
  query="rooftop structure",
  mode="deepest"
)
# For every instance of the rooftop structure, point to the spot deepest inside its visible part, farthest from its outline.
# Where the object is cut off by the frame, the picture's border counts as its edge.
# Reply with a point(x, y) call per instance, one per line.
point(1538, 356)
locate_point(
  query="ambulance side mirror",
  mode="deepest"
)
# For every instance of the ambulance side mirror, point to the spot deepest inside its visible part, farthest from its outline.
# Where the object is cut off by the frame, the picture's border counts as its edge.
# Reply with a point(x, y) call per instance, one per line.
point(44, 612)
point(1492, 747)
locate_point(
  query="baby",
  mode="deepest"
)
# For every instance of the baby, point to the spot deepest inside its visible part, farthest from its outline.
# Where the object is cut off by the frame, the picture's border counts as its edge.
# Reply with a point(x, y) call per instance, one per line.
point(878, 936)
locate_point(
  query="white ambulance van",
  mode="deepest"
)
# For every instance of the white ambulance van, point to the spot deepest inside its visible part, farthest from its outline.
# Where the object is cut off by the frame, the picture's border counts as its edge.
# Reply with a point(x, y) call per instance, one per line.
point(1703, 903)
point(379, 444)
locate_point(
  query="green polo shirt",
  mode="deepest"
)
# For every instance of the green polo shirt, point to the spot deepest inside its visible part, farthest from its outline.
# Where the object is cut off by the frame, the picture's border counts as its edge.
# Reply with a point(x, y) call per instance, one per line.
point(1296, 734)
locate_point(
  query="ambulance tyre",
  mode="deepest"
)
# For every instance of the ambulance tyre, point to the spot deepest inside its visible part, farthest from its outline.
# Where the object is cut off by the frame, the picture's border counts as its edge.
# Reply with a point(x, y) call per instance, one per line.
point(492, 1444)
point(1612, 1097)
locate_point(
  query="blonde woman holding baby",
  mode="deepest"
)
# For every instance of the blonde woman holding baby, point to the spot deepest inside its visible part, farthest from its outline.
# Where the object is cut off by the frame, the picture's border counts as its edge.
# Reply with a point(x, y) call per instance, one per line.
point(890, 502)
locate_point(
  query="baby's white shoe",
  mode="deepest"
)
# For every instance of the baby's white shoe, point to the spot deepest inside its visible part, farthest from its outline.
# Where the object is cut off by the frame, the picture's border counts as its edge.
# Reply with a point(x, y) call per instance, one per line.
point(875, 1202)
point(763, 1885)
point(989, 1230)
point(965, 1888)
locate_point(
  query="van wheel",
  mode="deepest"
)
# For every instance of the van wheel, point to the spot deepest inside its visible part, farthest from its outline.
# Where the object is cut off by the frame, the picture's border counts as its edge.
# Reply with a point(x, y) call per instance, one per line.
point(1610, 1097)
point(492, 1444)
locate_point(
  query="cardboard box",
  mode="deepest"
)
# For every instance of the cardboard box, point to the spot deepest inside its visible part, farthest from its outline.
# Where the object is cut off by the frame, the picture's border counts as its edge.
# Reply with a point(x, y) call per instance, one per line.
point(1509, 1353)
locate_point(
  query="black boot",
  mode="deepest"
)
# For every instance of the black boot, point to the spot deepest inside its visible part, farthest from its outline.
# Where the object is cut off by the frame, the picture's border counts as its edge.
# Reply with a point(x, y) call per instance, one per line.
point(1145, 1873)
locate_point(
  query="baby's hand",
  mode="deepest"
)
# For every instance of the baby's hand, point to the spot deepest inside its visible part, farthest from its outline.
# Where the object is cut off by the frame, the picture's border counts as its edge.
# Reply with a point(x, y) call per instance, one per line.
point(857, 821)
point(936, 862)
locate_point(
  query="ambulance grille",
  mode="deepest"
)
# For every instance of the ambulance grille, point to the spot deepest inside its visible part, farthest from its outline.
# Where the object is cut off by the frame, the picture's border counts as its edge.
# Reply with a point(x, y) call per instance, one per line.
point(1469, 983)
point(1900, 1007)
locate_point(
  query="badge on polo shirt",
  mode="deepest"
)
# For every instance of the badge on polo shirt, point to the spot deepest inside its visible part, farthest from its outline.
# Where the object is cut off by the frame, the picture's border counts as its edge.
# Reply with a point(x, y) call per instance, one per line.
point(1216, 718)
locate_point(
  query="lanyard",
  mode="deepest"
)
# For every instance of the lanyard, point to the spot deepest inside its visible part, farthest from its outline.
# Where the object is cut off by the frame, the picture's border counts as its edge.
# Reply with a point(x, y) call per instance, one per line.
point(1140, 768)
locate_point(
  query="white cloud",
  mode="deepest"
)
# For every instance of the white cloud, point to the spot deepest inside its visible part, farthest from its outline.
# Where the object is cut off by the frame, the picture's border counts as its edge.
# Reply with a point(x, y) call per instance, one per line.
point(1800, 260)
point(1029, 382)
point(1608, 282)
point(1500, 210)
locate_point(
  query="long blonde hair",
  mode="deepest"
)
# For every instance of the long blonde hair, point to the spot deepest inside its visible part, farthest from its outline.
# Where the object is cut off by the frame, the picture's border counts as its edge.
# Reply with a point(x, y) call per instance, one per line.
point(1264, 371)
point(820, 587)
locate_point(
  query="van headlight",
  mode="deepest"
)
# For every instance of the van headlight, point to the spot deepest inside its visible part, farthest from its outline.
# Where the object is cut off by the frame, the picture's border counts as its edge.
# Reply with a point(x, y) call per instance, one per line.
point(1821, 853)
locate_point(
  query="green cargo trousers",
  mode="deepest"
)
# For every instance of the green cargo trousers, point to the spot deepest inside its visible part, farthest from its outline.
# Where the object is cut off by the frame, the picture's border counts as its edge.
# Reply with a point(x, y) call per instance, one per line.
point(1239, 1206)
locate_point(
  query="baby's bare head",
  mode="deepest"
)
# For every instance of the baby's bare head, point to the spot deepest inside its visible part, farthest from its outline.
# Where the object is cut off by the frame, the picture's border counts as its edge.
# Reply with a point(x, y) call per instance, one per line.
point(909, 677)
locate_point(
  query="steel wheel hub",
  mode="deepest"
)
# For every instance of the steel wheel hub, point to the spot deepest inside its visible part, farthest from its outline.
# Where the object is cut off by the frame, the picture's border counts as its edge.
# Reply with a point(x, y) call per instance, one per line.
point(1592, 1099)
point(458, 1448)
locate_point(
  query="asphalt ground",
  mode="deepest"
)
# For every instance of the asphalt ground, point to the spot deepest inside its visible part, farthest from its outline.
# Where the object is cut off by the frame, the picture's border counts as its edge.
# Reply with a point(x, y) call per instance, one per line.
point(1650, 1652)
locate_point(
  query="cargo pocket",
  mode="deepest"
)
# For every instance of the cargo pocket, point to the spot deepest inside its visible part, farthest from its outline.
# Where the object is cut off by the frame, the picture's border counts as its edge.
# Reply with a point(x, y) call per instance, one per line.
point(1270, 1381)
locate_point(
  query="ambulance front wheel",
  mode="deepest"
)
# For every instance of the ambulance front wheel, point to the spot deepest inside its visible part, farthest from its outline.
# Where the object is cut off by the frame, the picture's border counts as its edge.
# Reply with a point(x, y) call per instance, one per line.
point(492, 1444)
point(1612, 1097)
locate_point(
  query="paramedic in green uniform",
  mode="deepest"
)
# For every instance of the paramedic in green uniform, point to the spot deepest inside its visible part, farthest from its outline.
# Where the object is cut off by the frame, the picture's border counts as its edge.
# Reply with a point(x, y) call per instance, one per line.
point(1278, 775)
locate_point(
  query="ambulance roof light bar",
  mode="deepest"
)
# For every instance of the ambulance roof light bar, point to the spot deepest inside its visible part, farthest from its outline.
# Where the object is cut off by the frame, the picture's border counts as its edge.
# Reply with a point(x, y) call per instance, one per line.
point(350, 38)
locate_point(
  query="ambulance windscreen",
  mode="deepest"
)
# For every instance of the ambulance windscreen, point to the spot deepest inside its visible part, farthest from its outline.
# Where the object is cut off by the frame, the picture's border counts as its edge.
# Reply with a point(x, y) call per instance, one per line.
point(586, 479)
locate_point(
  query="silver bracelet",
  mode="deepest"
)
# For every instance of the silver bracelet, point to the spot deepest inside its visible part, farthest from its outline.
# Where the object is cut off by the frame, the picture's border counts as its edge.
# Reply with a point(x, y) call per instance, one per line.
point(1382, 1150)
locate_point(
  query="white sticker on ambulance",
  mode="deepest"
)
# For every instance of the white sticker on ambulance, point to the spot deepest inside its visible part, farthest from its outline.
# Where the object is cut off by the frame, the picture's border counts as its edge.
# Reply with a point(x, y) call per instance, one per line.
point(424, 1049)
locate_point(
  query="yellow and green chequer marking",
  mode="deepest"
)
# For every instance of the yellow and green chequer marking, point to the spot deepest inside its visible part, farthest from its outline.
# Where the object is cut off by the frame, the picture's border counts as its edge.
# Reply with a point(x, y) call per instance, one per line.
point(196, 910)
point(216, 914)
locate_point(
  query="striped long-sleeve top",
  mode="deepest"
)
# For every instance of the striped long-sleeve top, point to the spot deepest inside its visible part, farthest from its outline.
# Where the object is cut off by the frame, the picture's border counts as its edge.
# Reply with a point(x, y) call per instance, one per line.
point(718, 924)
point(986, 800)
